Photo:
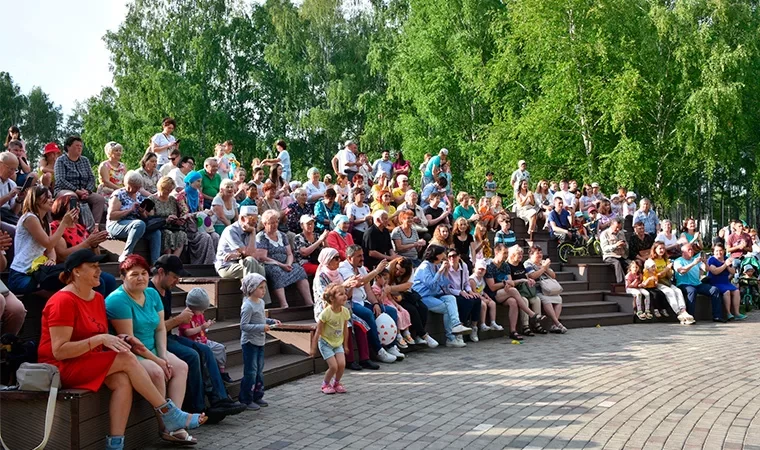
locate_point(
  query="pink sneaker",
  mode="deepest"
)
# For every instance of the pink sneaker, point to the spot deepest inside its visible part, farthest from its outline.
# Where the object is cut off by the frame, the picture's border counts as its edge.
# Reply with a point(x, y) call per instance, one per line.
point(337, 387)
point(327, 389)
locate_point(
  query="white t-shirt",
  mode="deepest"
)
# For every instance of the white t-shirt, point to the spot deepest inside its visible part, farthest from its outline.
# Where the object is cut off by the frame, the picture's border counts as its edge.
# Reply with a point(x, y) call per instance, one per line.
point(228, 213)
point(664, 239)
point(161, 140)
point(166, 168)
point(285, 161)
point(5, 188)
point(178, 177)
point(358, 213)
point(346, 271)
point(569, 198)
point(346, 156)
point(312, 190)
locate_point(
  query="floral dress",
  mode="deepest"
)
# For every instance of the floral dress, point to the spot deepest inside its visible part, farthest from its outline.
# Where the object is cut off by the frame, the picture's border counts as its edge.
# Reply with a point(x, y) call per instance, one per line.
point(170, 239)
point(115, 176)
point(277, 276)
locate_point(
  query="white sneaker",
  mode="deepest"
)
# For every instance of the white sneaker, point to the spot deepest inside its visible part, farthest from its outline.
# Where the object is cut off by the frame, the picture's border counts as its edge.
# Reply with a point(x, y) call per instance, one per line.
point(460, 329)
point(460, 338)
point(395, 352)
point(432, 343)
point(484, 327)
point(474, 335)
point(419, 341)
point(385, 357)
point(401, 342)
point(496, 326)
point(455, 343)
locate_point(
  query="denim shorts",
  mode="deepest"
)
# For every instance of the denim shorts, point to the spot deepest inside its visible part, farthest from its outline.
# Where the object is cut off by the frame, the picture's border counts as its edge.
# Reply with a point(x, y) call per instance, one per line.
point(327, 350)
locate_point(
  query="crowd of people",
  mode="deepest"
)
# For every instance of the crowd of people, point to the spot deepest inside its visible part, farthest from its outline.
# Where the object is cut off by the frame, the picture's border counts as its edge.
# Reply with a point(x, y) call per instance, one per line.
point(373, 245)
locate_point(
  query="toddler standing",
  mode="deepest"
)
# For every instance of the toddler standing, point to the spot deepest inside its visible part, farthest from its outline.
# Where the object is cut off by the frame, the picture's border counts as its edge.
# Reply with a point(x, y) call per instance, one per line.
point(403, 337)
point(253, 326)
point(633, 287)
point(198, 302)
point(332, 337)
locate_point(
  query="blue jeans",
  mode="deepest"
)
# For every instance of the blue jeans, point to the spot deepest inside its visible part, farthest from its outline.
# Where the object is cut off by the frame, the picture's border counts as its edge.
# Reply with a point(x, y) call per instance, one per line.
point(469, 309)
point(252, 386)
point(133, 231)
point(107, 285)
point(365, 313)
point(690, 292)
point(22, 283)
point(194, 354)
point(446, 305)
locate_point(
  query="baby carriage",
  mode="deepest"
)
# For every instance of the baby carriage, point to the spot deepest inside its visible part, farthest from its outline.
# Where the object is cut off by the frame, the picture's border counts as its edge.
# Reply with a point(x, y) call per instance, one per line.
point(747, 281)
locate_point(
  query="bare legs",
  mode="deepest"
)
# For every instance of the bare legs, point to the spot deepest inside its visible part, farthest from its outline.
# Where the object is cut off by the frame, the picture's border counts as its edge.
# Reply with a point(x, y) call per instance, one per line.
point(121, 401)
point(553, 311)
point(731, 301)
point(335, 367)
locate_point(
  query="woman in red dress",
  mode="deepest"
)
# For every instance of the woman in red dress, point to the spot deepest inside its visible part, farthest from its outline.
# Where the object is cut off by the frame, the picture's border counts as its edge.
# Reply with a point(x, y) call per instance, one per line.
point(75, 339)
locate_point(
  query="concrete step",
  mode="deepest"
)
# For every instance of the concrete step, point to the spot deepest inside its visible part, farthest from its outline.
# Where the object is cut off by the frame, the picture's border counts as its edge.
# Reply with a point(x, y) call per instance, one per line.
point(574, 286)
point(292, 313)
point(225, 330)
point(582, 308)
point(564, 276)
point(582, 296)
point(592, 320)
point(235, 350)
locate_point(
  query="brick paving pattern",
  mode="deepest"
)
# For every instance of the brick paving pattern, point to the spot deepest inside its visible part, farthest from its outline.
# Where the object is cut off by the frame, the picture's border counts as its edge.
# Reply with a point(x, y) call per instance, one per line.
point(653, 386)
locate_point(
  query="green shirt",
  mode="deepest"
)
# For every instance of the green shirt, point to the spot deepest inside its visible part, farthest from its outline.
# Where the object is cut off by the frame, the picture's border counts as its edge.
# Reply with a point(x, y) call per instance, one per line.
point(145, 318)
point(210, 186)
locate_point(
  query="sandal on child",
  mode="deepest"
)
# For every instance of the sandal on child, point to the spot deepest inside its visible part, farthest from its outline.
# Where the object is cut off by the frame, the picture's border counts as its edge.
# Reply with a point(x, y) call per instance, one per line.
point(648, 315)
point(175, 419)
point(641, 315)
point(657, 314)
point(665, 313)
point(179, 437)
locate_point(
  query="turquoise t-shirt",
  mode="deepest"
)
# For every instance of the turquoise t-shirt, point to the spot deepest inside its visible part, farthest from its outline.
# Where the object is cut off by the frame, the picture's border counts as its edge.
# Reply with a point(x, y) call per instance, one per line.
point(435, 161)
point(461, 211)
point(145, 319)
point(690, 278)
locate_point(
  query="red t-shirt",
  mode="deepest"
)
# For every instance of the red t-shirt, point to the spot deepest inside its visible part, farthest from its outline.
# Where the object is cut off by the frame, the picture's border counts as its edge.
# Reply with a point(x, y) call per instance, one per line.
point(73, 235)
point(197, 320)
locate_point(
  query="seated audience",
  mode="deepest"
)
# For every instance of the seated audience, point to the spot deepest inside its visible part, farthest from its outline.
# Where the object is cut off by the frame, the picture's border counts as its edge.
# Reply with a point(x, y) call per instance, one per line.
point(505, 235)
point(430, 282)
point(75, 339)
point(487, 304)
point(646, 215)
point(273, 249)
point(358, 214)
point(463, 241)
point(525, 207)
point(399, 192)
point(325, 210)
point(419, 221)
point(406, 242)
point(46, 170)
point(664, 269)
point(174, 159)
point(434, 214)
point(442, 236)
point(468, 303)
point(149, 173)
point(111, 171)
point(719, 272)
point(186, 165)
point(559, 220)
point(541, 269)
point(640, 244)
point(668, 237)
point(688, 273)
point(615, 248)
point(202, 241)
point(385, 203)
point(738, 243)
point(531, 321)
point(315, 189)
point(269, 202)
point(12, 311)
point(73, 172)
point(127, 218)
point(173, 235)
point(224, 206)
point(378, 241)
point(339, 238)
point(210, 181)
point(307, 245)
point(298, 209)
point(501, 288)
point(690, 235)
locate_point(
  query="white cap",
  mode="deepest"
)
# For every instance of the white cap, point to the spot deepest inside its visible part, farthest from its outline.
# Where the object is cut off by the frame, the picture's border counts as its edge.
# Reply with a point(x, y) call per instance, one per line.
point(401, 178)
point(594, 184)
point(614, 196)
point(649, 264)
point(348, 142)
point(249, 210)
point(480, 264)
point(444, 151)
point(306, 219)
point(630, 194)
point(520, 162)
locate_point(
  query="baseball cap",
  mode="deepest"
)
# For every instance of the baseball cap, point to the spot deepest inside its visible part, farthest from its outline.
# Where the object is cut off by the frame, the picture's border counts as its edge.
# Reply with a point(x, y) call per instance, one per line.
point(51, 148)
point(594, 184)
point(480, 264)
point(592, 209)
point(444, 151)
point(249, 210)
point(401, 178)
point(649, 264)
point(306, 219)
point(520, 162)
point(630, 194)
point(171, 263)
point(80, 257)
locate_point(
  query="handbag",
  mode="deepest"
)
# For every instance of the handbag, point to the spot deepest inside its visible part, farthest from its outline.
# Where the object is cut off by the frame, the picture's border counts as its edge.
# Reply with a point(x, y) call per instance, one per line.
point(154, 223)
point(550, 286)
point(527, 291)
point(40, 378)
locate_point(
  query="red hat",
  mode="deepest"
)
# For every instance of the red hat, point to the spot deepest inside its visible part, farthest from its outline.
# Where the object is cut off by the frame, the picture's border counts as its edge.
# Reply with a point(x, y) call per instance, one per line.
point(51, 148)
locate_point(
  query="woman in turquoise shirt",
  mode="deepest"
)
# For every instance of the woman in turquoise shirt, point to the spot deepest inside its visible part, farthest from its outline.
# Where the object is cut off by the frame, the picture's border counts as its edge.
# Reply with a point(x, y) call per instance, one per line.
point(136, 310)
point(466, 210)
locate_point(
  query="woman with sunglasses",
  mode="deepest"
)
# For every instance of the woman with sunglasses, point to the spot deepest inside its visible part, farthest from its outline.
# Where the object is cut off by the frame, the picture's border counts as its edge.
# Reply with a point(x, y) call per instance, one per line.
point(112, 170)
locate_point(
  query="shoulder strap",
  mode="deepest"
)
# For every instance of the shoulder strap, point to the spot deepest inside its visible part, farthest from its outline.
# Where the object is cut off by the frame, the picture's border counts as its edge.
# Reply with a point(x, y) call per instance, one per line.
point(49, 413)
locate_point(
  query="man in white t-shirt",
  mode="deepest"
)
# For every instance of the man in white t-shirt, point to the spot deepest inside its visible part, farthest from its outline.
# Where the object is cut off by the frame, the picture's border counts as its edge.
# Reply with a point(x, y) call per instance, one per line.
point(345, 162)
point(283, 158)
point(520, 174)
point(162, 142)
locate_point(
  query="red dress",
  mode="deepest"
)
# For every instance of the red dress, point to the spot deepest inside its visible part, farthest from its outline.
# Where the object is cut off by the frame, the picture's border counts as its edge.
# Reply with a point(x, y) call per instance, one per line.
point(87, 318)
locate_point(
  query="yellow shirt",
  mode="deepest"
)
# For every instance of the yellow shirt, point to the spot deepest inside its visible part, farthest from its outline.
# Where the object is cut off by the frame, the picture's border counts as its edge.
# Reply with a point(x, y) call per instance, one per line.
point(332, 330)
point(660, 265)
point(375, 206)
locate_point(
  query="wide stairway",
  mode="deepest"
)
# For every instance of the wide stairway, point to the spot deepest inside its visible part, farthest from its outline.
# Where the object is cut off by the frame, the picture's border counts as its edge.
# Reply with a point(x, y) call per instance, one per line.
point(81, 419)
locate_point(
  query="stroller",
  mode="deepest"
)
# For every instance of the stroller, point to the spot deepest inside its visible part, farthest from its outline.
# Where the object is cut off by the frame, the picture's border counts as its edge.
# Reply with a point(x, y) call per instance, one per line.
point(748, 283)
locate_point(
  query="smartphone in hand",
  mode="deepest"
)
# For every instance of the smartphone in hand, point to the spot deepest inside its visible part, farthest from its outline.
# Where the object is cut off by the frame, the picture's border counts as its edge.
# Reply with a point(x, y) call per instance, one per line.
point(147, 205)
point(73, 203)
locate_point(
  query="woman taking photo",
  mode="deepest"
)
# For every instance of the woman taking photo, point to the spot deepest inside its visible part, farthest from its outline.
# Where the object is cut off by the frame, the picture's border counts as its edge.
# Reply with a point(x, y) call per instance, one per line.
point(173, 236)
point(720, 270)
point(112, 170)
point(75, 339)
point(136, 310)
point(126, 218)
point(326, 210)
point(150, 174)
point(307, 245)
point(431, 283)
point(273, 249)
point(33, 267)
point(224, 206)
point(77, 238)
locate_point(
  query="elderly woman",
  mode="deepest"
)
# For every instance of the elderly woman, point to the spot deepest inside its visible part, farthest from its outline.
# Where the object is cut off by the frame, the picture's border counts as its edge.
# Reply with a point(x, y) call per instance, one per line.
point(126, 218)
point(406, 241)
point(298, 209)
point(525, 207)
point(173, 236)
point(668, 237)
point(201, 244)
point(465, 209)
point(111, 171)
point(75, 339)
point(315, 189)
point(430, 282)
point(307, 245)
point(327, 273)
point(274, 251)
point(720, 270)
point(150, 173)
point(540, 269)
point(419, 222)
point(339, 238)
point(326, 210)
point(358, 213)
point(224, 206)
point(33, 266)
point(78, 238)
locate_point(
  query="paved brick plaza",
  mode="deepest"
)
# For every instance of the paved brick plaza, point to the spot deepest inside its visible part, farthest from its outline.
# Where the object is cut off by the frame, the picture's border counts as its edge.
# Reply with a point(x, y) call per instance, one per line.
point(632, 387)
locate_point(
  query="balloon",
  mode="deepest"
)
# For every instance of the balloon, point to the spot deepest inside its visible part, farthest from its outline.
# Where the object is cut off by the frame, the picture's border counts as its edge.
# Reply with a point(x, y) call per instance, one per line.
point(386, 329)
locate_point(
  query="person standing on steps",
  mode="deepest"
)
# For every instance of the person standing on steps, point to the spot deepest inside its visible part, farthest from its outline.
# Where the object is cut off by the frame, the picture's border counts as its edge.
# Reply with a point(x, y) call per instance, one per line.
point(203, 377)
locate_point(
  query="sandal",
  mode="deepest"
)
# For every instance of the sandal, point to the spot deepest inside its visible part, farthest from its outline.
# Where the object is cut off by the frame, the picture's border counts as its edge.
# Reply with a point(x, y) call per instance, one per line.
point(176, 419)
point(539, 329)
point(641, 315)
point(515, 336)
point(527, 332)
point(180, 437)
